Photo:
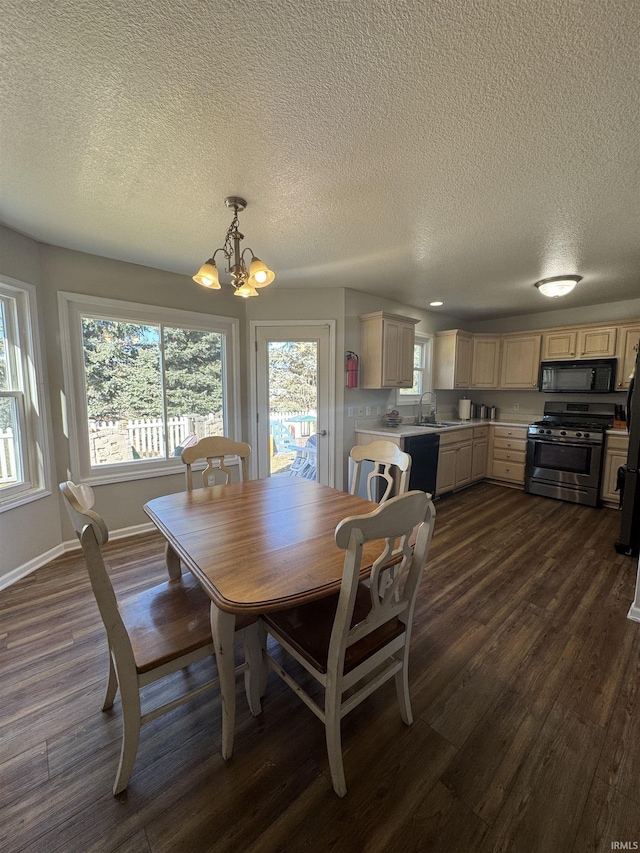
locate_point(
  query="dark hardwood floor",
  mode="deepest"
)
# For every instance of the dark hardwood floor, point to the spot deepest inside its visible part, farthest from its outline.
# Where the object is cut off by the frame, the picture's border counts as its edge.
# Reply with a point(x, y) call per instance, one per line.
point(525, 683)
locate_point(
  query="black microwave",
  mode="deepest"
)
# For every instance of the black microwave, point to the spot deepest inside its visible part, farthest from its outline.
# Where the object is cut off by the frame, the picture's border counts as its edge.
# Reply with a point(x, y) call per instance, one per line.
point(589, 376)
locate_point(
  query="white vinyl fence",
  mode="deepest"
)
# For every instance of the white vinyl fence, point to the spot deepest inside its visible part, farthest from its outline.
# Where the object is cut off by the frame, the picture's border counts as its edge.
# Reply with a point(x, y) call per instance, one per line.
point(8, 466)
point(122, 441)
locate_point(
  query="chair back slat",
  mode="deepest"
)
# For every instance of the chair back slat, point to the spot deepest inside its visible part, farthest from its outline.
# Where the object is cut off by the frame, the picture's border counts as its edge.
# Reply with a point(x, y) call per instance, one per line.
point(391, 470)
point(393, 588)
point(92, 533)
point(213, 449)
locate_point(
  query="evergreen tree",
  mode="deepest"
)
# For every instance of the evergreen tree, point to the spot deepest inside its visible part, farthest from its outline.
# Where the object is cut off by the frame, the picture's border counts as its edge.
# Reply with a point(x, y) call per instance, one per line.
point(293, 376)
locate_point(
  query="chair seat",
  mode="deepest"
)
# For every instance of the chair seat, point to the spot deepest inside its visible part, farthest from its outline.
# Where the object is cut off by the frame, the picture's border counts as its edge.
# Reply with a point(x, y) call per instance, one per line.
point(168, 621)
point(308, 629)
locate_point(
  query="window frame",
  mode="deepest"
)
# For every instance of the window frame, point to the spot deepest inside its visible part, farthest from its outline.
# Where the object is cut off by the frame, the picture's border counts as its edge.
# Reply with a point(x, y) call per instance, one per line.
point(73, 307)
point(426, 342)
point(25, 374)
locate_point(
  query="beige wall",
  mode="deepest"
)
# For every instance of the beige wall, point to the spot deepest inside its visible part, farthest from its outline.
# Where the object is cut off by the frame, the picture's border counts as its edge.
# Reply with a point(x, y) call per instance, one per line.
point(32, 533)
point(608, 312)
point(37, 528)
point(29, 531)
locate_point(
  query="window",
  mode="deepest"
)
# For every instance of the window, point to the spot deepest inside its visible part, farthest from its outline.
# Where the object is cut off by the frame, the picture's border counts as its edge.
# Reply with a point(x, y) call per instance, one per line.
point(422, 371)
point(143, 382)
point(22, 437)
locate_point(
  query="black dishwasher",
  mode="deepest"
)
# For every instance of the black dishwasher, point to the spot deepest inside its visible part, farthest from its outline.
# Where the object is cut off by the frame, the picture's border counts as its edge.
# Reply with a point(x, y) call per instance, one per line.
point(423, 450)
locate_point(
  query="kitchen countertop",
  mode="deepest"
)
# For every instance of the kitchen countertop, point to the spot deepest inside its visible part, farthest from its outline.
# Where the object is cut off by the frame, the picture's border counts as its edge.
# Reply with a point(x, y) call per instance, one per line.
point(406, 430)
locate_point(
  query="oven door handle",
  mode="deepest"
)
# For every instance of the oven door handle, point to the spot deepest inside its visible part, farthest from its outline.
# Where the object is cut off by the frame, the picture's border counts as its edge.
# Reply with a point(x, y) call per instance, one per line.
point(561, 443)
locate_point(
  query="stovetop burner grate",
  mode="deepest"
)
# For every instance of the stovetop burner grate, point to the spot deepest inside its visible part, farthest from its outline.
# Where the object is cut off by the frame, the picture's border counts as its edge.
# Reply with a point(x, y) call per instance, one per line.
point(592, 426)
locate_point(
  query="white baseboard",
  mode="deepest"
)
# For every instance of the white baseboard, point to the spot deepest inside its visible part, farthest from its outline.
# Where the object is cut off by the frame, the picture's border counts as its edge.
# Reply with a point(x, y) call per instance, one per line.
point(70, 545)
point(26, 568)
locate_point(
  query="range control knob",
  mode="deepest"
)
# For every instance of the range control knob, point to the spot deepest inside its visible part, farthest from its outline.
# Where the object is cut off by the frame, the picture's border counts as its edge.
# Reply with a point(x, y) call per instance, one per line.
point(579, 435)
point(548, 432)
point(541, 431)
point(587, 434)
point(563, 432)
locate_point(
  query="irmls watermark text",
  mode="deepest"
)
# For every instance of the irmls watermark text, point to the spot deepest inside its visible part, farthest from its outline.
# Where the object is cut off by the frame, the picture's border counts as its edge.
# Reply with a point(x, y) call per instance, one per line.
point(625, 845)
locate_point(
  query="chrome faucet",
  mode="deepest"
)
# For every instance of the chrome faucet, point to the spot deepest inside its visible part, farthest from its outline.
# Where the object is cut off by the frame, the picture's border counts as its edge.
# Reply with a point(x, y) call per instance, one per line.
point(430, 418)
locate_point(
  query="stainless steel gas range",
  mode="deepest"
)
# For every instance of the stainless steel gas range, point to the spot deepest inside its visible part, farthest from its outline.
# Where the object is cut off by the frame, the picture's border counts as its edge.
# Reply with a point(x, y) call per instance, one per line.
point(565, 451)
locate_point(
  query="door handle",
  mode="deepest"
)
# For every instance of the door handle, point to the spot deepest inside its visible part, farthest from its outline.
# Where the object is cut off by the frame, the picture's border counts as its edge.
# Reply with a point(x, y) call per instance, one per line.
point(322, 432)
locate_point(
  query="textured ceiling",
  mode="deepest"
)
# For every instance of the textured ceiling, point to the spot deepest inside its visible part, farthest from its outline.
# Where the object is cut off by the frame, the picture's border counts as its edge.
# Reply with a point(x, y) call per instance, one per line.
point(458, 150)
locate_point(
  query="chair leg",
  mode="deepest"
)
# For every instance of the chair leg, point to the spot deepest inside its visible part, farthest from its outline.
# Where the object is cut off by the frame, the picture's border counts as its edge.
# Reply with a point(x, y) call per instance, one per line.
point(402, 690)
point(334, 742)
point(130, 696)
point(112, 686)
point(253, 676)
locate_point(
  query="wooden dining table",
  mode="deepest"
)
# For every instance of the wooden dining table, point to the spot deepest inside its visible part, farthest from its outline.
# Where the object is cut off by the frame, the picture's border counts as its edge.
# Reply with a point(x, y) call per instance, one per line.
point(255, 546)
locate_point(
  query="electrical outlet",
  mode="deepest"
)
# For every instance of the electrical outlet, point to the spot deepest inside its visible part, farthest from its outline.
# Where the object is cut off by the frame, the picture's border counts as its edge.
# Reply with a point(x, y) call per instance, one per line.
point(368, 411)
point(350, 412)
point(360, 411)
point(516, 407)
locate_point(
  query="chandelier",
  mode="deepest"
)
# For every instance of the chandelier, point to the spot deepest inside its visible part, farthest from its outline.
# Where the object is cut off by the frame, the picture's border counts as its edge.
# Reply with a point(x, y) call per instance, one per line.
point(245, 281)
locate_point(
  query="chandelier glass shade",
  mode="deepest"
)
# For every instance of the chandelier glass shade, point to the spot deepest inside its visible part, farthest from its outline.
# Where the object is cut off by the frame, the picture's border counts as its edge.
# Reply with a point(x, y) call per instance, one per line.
point(558, 285)
point(245, 281)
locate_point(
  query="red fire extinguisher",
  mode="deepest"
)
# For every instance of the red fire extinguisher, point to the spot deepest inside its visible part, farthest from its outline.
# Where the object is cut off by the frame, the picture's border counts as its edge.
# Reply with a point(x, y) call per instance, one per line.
point(352, 370)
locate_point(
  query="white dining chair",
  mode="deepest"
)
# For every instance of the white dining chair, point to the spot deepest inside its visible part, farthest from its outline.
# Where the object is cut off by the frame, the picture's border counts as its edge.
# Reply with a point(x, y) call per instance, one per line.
point(359, 638)
point(213, 449)
point(391, 469)
point(152, 633)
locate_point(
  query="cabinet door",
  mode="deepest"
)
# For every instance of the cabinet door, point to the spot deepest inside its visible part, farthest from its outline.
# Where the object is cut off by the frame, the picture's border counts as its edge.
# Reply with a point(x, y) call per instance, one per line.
point(628, 342)
point(407, 340)
point(479, 461)
point(485, 363)
point(446, 477)
point(391, 342)
point(597, 343)
point(463, 362)
point(613, 460)
point(463, 464)
point(520, 361)
point(558, 345)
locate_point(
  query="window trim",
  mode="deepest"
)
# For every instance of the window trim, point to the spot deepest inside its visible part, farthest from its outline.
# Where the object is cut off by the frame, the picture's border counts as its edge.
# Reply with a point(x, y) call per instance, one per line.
point(30, 397)
point(72, 307)
point(427, 372)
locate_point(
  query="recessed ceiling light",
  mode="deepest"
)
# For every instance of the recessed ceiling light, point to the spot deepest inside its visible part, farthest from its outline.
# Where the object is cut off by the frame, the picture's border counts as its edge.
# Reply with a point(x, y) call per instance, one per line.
point(436, 304)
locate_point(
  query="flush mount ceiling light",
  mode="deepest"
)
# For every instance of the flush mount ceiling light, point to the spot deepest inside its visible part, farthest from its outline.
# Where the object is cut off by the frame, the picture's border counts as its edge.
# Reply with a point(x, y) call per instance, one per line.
point(244, 280)
point(558, 285)
point(436, 304)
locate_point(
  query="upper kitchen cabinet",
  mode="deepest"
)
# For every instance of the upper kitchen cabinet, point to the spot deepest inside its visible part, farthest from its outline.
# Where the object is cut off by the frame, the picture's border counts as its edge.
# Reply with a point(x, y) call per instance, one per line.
point(520, 361)
point(485, 362)
point(628, 342)
point(452, 359)
point(386, 348)
point(579, 342)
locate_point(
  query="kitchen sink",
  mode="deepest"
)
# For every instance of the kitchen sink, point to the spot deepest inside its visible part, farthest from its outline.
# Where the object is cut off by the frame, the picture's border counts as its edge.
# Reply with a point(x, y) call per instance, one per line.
point(438, 425)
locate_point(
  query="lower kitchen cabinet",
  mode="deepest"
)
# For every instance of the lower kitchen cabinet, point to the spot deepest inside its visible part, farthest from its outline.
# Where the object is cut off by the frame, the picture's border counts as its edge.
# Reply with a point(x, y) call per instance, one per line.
point(616, 450)
point(479, 453)
point(508, 454)
point(454, 460)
